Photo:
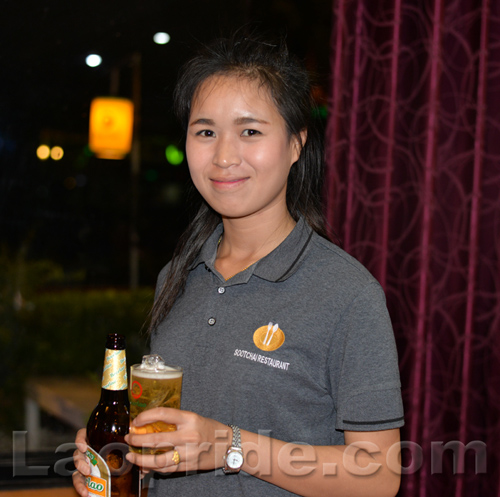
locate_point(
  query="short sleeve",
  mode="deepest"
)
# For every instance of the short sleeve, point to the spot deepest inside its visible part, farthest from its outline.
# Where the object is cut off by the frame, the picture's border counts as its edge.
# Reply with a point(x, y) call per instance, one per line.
point(369, 389)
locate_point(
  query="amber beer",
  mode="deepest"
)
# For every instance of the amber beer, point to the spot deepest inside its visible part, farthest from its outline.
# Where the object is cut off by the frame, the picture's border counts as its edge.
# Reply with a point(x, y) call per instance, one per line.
point(153, 384)
point(111, 474)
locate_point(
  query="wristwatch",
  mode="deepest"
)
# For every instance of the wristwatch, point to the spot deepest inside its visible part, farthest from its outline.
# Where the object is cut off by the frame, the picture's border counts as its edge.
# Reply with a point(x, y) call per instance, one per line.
point(233, 460)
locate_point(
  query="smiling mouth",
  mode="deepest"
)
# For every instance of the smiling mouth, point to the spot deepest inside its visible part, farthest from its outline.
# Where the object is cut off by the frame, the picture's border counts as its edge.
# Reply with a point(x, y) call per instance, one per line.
point(223, 182)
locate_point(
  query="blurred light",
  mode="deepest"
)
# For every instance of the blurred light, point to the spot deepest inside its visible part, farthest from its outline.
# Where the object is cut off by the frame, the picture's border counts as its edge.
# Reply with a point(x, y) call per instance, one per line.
point(110, 127)
point(320, 112)
point(161, 38)
point(174, 155)
point(56, 153)
point(43, 152)
point(93, 60)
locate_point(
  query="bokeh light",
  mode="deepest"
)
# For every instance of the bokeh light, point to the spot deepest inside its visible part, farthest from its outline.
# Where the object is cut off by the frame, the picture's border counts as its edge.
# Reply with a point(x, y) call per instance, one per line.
point(93, 60)
point(43, 152)
point(56, 153)
point(174, 155)
point(111, 127)
point(161, 38)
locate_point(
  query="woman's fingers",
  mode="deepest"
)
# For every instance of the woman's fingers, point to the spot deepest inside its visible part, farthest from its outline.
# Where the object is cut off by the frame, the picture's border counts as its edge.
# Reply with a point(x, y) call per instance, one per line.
point(80, 484)
point(165, 414)
point(168, 461)
point(198, 443)
point(81, 440)
point(79, 457)
point(161, 440)
point(81, 463)
point(157, 427)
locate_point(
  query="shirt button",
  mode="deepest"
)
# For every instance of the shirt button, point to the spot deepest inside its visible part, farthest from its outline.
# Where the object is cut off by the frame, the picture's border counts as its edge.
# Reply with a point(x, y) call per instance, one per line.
point(211, 321)
point(221, 289)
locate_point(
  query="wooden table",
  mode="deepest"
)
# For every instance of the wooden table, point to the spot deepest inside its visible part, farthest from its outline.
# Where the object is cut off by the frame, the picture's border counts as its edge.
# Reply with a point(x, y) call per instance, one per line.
point(47, 492)
point(71, 400)
point(50, 492)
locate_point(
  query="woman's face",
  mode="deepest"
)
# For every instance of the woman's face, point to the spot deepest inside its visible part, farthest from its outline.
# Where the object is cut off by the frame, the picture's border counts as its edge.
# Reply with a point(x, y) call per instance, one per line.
point(238, 149)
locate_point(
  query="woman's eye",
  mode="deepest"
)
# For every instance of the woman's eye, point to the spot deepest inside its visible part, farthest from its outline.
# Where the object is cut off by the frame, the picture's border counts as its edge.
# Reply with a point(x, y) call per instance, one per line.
point(206, 132)
point(250, 132)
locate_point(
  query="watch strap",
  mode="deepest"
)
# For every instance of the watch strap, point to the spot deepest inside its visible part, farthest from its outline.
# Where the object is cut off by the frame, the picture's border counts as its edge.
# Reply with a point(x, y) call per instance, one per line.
point(236, 437)
point(235, 447)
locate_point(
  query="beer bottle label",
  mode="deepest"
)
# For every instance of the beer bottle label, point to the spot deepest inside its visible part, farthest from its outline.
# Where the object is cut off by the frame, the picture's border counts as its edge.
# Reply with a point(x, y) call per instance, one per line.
point(99, 481)
point(114, 374)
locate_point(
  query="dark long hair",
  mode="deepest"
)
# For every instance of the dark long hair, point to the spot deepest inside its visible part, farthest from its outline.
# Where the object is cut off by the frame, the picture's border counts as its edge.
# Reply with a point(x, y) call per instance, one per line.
point(286, 79)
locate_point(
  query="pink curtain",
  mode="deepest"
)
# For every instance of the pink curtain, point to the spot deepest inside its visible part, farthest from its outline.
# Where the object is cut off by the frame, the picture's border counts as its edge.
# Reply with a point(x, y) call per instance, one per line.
point(413, 191)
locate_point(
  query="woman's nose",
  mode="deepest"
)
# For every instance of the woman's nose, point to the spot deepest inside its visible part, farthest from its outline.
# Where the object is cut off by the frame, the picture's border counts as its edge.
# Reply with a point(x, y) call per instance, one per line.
point(226, 152)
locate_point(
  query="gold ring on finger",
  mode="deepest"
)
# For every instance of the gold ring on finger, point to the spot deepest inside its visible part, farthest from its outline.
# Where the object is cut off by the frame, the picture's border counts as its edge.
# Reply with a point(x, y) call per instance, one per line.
point(176, 458)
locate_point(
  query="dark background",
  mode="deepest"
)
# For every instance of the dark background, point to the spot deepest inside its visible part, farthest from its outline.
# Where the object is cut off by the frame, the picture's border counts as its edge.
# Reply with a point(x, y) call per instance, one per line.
point(76, 212)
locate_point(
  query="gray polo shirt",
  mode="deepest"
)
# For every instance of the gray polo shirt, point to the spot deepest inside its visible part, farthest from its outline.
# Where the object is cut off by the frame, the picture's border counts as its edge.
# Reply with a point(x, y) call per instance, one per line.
point(299, 346)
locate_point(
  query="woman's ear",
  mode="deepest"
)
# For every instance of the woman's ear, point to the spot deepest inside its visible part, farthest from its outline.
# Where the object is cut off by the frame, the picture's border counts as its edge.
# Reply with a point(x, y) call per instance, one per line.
point(299, 142)
point(303, 138)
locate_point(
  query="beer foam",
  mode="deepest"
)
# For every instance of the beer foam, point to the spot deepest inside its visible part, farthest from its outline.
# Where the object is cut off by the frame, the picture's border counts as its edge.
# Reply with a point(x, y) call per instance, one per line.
point(165, 373)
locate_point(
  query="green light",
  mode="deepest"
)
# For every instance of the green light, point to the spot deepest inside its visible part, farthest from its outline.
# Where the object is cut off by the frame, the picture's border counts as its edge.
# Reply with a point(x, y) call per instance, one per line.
point(174, 155)
point(320, 112)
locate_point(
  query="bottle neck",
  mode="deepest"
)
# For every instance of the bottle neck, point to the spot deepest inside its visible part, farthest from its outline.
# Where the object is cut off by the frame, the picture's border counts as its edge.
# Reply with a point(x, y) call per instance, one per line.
point(114, 373)
point(114, 396)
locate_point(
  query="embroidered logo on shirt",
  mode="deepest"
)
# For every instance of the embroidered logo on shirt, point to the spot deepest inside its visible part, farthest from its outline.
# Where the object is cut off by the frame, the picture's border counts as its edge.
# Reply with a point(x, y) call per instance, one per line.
point(269, 337)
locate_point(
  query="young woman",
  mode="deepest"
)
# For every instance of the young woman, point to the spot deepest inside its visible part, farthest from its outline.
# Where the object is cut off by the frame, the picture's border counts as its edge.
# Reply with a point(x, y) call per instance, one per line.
point(281, 334)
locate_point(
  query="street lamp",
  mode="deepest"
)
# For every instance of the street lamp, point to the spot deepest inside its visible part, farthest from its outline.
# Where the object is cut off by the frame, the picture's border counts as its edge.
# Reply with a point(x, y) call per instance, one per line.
point(114, 133)
point(111, 127)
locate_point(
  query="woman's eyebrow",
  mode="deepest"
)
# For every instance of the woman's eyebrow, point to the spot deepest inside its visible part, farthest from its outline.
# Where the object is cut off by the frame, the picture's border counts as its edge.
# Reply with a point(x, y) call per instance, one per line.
point(238, 121)
point(249, 120)
point(209, 122)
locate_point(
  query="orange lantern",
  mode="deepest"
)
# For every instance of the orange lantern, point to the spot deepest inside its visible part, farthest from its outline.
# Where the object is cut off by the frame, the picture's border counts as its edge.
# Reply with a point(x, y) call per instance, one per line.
point(111, 124)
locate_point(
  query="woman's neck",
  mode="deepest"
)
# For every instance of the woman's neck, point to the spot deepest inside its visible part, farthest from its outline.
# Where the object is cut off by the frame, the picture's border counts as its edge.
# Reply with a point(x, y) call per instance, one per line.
point(246, 241)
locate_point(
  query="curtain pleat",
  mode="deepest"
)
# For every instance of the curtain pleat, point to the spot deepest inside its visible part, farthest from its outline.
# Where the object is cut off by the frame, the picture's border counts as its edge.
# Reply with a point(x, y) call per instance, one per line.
point(413, 192)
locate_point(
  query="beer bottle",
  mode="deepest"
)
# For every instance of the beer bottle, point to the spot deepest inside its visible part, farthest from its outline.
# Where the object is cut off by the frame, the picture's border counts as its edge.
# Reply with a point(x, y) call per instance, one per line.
point(111, 474)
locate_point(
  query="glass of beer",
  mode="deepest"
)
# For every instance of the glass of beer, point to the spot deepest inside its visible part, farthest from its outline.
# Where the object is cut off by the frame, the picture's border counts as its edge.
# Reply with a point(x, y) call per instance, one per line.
point(153, 384)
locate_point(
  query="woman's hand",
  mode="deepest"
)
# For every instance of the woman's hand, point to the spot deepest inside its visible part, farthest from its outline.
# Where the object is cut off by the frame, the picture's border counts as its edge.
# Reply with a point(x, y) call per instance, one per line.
point(198, 443)
point(81, 463)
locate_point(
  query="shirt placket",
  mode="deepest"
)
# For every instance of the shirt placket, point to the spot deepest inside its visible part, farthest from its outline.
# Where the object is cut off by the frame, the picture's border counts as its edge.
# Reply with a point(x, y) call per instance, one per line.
point(217, 302)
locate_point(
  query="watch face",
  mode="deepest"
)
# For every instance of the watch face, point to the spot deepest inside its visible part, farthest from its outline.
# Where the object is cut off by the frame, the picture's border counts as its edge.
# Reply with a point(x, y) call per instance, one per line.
point(234, 460)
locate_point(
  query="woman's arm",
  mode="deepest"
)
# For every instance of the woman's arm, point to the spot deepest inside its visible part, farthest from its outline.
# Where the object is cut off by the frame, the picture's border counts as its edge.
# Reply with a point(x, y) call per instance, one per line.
point(367, 465)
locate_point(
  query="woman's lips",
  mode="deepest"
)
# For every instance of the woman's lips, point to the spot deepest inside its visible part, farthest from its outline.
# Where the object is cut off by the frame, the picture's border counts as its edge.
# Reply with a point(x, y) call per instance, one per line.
point(227, 183)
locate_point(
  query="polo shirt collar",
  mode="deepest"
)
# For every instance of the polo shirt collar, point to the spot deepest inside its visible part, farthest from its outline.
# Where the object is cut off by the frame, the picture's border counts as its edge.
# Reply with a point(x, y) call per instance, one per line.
point(278, 265)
